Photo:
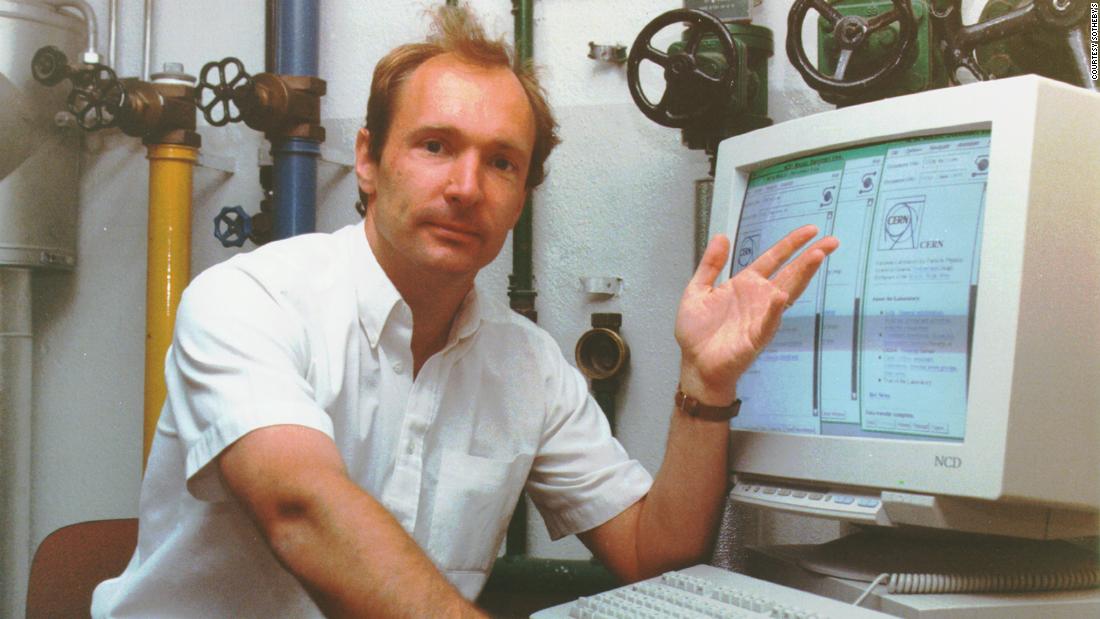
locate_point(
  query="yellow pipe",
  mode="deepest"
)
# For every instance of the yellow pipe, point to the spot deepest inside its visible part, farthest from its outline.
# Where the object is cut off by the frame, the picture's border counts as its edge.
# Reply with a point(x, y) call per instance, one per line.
point(169, 260)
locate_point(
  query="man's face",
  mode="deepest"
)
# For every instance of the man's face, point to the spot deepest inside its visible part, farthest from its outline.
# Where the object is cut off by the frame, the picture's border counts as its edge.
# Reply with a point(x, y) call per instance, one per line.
point(451, 180)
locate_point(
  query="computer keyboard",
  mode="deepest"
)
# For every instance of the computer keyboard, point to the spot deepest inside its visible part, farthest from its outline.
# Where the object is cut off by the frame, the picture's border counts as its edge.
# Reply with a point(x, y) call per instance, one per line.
point(705, 592)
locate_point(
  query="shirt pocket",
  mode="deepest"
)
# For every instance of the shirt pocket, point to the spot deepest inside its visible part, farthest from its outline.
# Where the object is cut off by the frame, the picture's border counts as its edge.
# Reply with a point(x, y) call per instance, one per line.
point(473, 502)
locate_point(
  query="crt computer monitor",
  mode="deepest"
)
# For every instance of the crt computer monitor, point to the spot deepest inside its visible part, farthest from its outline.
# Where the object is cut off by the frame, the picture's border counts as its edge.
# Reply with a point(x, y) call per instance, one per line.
point(943, 367)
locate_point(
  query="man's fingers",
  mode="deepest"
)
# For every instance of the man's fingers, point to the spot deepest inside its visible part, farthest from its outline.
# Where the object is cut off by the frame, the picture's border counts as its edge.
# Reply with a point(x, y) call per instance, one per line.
point(794, 277)
point(770, 261)
point(714, 258)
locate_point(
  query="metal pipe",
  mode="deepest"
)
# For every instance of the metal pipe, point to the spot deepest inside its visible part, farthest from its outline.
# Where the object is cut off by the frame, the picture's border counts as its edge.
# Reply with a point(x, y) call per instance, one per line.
point(88, 14)
point(147, 44)
point(112, 34)
point(521, 283)
point(16, 440)
point(295, 186)
point(704, 193)
point(269, 36)
point(297, 27)
point(171, 169)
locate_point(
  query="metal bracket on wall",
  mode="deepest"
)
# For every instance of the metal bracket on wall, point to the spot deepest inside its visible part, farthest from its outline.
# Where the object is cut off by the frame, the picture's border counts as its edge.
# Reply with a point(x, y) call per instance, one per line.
point(602, 286)
point(221, 163)
point(614, 54)
point(338, 156)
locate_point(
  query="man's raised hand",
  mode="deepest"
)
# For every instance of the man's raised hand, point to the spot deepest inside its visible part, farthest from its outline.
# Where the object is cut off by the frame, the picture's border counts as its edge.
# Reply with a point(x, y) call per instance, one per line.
point(721, 329)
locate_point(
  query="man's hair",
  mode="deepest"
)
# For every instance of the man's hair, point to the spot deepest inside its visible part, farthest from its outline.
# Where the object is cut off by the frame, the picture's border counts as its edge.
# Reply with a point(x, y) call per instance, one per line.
point(455, 30)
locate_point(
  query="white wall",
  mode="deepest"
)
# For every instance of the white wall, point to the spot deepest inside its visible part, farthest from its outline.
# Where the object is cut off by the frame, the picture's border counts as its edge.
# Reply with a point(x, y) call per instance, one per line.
point(617, 202)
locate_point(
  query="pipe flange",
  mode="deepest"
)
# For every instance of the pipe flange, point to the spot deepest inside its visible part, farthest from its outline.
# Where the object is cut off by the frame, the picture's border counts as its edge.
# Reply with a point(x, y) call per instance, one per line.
point(601, 353)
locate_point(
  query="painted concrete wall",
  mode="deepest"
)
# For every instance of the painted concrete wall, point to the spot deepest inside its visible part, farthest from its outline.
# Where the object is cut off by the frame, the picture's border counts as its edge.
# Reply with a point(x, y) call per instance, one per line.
point(617, 202)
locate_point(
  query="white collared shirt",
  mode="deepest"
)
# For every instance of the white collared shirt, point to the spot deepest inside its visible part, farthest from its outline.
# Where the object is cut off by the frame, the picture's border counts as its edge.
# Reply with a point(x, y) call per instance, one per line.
point(311, 332)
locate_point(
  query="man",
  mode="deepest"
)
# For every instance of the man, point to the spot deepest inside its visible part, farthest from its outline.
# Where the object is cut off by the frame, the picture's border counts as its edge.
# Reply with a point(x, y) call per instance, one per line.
point(349, 422)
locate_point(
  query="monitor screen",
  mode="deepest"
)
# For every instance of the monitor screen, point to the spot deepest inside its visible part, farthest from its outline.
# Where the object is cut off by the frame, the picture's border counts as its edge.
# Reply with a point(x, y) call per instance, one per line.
point(879, 344)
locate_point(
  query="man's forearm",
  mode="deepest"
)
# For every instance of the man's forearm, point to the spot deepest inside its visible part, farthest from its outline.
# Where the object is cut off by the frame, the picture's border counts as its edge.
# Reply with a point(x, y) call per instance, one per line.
point(355, 560)
point(680, 515)
point(350, 554)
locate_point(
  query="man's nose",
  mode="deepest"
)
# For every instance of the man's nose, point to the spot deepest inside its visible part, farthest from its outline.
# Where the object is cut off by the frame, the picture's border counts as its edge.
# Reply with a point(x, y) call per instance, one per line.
point(464, 184)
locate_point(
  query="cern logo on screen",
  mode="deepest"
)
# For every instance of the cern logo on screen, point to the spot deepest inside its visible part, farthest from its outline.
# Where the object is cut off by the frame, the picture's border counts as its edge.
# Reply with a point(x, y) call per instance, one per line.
point(901, 226)
point(745, 253)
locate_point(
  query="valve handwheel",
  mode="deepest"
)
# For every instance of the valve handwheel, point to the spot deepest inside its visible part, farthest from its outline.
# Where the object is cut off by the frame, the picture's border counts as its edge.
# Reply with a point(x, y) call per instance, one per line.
point(690, 91)
point(218, 96)
point(960, 43)
point(96, 97)
point(852, 32)
point(232, 226)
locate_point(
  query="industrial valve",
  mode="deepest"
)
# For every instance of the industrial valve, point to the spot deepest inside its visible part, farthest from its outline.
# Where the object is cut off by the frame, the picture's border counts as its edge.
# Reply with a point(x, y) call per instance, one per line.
point(715, 77)
point(161, 111)
point(96, 94)
point(219, 108)
point(287, 108)
point(865, 48)
point(232, 226)
point(1012, 37)
point(281, 106)
point(696, 81)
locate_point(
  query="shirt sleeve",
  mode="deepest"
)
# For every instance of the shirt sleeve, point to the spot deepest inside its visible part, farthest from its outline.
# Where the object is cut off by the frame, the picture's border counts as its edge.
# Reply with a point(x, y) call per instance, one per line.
point(238, 362)
point(581, 476)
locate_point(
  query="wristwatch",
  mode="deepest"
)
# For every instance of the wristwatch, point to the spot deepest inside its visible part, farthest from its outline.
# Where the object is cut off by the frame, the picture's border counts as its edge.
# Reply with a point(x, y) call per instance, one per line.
point(694, 408)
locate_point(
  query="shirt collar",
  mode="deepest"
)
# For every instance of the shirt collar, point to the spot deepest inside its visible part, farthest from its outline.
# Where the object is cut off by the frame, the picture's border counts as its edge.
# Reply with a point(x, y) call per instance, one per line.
point(374, 292)
point(377, 296)
point(468, 319)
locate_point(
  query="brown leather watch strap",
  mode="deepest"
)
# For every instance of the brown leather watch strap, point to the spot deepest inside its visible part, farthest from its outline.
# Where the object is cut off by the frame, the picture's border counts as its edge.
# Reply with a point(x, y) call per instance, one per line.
point(694, 408)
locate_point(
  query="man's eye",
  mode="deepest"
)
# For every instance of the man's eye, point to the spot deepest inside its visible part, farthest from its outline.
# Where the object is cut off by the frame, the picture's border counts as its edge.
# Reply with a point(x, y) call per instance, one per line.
point(503, 164)
point(433, 146)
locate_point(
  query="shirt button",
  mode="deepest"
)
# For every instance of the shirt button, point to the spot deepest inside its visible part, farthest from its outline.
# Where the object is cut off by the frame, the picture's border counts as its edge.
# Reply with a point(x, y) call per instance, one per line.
point(410, 448)
point(398, 367)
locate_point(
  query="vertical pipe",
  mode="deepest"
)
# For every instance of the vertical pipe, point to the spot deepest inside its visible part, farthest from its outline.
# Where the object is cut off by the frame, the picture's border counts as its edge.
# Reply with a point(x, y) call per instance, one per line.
point(171, 169)
point(112, 35)
point(295, 186)
point(521, 283)
point(16, 365)
point(147, 44)
point(269, 36)
point(296, 31)
point(704, 194)
point(296, 45)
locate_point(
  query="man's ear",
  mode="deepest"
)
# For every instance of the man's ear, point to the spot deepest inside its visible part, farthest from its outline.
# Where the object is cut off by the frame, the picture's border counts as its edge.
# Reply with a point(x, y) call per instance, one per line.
point(365, 167)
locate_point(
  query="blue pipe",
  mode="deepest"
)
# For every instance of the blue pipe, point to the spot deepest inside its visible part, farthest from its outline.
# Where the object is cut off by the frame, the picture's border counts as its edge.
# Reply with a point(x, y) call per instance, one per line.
point(297, 24)
point(295, 186)
point(296, 50)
